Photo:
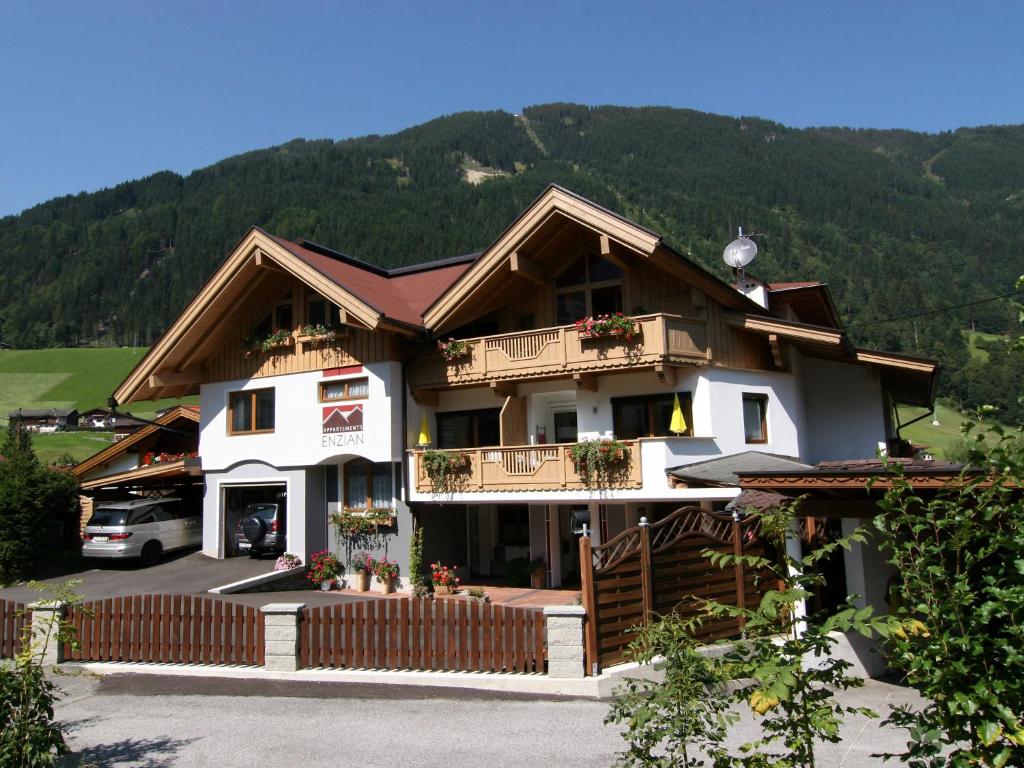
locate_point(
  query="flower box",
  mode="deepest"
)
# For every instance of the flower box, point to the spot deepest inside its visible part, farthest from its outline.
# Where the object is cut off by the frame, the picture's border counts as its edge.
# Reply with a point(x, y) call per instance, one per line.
point(617, 326)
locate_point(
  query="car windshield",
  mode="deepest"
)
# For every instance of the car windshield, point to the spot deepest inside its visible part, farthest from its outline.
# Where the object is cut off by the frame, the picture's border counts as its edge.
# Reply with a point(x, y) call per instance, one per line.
point(262, 511)
point(108, 516)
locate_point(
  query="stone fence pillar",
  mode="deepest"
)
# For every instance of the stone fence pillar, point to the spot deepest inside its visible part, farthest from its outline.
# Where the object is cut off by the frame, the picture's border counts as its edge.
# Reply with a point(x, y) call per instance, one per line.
point(565, 640)
point(281, 636)
point(46, 618)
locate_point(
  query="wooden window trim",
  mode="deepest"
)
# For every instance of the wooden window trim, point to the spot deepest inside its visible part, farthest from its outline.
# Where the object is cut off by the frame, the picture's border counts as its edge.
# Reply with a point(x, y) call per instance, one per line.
point(347, 384)
point(762, 401)
point(251, 393)
point(371, 469)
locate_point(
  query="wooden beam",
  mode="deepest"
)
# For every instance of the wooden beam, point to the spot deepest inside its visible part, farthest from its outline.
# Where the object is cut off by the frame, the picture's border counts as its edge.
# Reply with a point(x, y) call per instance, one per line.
point(666, 374)
point(425, 396)
point(177, 378)
point(526, 268)
point(776, 345)
point(585, 381)
point(504, 389)
point(260, 259)
point(609, 255)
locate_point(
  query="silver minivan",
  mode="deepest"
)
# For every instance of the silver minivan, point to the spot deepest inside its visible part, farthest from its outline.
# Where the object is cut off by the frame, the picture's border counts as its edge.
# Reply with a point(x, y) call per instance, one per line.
point(142, 528)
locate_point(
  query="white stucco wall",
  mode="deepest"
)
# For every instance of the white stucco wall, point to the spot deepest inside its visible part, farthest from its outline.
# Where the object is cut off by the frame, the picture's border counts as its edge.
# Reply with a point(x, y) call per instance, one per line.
point(298, 437)
point(845, 415)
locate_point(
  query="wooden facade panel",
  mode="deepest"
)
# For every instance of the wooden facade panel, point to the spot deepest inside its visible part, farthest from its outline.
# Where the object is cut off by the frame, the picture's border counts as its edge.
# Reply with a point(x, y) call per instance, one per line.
point(234, 360)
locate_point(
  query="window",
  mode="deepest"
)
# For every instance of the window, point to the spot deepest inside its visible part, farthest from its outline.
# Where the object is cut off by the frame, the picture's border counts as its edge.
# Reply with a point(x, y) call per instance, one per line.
point(320, 311)
point(348, 389)
point(588, 286)
point(565, 427)
point(755, 418)
point(649, 415)
point(469, 429)
point(251, 411)
point(367, 485)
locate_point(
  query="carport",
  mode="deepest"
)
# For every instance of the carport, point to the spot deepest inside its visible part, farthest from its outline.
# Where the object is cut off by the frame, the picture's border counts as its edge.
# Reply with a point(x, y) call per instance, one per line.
point(158, 460)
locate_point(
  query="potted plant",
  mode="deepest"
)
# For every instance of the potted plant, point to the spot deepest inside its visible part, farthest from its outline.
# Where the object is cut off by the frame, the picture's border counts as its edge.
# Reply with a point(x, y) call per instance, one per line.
point(607, 326)
point(596, 460)
point(453, 349)
point(324, 568)
point(442, 466)
point(444, 579)
point(287, 561)
point(362, 564)
point(538, 573)
point(477, 595)
point(279, 337)
point(386, 572)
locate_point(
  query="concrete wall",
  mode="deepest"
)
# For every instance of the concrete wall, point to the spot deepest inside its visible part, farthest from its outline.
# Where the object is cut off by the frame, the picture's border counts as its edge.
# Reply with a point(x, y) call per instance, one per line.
point(845, 415)
point(298, 437)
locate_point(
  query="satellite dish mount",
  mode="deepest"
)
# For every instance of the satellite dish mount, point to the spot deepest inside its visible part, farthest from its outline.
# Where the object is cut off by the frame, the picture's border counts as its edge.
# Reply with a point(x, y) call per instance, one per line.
point(738, 254)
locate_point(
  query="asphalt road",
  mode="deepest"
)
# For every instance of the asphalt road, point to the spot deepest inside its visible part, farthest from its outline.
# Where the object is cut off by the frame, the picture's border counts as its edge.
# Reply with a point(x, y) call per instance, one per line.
point(151, 722)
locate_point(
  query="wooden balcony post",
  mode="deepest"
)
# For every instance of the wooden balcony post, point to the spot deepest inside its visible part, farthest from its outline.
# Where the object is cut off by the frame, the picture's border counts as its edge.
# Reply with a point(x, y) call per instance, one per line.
point(647, 590)
point(562, 346)
point(737, 550)
point(592, 663)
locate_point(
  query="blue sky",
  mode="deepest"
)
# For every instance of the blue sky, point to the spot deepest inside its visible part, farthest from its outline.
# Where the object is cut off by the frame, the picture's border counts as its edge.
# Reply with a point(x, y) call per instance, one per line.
point(95, 93)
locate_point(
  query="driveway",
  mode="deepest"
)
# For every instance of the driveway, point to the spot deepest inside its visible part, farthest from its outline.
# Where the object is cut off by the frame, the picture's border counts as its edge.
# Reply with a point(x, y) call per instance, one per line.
point(190, 572)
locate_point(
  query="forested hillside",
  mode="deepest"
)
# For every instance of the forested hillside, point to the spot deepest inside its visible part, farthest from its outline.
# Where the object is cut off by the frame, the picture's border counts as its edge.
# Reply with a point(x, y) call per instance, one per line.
point(896, 222)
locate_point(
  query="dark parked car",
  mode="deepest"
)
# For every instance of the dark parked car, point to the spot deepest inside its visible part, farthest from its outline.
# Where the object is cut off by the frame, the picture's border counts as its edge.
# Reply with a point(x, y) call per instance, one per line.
point(261, 529)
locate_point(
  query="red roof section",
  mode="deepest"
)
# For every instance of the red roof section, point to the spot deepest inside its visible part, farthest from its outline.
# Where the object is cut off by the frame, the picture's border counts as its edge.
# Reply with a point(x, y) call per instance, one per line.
point(791, 286)
point(404, 297)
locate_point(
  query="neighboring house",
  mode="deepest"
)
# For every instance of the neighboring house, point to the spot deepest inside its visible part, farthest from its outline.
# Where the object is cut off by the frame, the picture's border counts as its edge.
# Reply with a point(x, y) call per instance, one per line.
point(330, 419)
point(159, 458)
point(45, 419)
point(121, 424)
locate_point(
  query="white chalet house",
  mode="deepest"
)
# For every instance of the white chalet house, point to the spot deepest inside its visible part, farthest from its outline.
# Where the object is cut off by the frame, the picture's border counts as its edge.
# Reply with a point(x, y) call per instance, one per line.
point(317, 374)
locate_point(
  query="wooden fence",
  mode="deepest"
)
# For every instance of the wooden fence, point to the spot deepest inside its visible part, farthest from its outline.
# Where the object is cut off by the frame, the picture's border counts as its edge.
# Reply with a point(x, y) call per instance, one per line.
point(416, 633)
point(177, 629)
point(13, 618)
point(657, 569)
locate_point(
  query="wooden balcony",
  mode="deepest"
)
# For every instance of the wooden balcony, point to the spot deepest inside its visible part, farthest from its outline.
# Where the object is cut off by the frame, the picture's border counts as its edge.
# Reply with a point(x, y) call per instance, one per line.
point(529, 468)
point(553, 352)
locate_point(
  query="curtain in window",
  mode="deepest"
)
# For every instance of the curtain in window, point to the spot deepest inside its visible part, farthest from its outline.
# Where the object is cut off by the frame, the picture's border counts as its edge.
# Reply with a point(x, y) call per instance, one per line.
point(241, 413)
point(381, 485)
point(265, 409)
point(356, 484)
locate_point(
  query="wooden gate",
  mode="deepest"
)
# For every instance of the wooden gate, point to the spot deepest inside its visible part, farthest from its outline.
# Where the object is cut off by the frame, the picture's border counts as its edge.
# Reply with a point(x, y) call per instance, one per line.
point(416, 633)
point(657, 569)
point(13, 618)
point(176, 629)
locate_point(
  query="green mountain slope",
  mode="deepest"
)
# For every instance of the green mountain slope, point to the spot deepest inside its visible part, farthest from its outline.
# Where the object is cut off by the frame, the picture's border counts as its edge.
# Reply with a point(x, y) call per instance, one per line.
point(895, 221)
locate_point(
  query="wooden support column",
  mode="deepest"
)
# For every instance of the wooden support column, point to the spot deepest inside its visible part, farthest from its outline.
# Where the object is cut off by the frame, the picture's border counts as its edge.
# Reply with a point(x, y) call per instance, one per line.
point(592, 663)
point(646, 585)
point(525, 268)
point(737, 550)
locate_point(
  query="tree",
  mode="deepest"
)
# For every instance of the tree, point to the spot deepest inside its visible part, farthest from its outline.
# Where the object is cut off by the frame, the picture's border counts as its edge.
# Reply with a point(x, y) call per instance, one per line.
point(960, 555)
point(34, 501)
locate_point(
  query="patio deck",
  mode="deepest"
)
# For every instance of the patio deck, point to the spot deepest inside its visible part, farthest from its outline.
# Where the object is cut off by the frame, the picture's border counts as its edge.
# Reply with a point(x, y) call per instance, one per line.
point(516, 596)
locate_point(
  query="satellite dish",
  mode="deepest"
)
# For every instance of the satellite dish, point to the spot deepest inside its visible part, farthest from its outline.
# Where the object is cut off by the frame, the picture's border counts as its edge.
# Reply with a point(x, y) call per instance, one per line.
point(740, 252)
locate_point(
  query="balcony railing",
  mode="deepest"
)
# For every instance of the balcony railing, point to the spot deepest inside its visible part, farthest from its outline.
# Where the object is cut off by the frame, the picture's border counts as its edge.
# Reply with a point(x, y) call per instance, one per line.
point(559, 351)
point(529, 468)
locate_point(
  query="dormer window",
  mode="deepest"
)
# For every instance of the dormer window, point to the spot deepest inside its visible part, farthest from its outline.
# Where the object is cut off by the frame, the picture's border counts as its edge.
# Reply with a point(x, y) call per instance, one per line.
point(589, 286)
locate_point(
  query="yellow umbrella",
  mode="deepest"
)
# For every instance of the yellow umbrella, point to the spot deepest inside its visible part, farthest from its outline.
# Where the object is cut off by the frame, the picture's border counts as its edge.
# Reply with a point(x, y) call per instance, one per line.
point(424, 438)
point(678, 424)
